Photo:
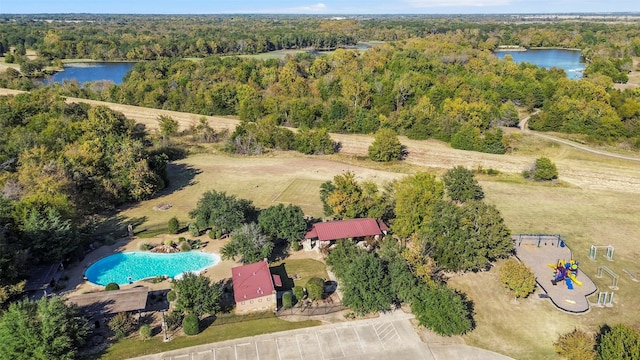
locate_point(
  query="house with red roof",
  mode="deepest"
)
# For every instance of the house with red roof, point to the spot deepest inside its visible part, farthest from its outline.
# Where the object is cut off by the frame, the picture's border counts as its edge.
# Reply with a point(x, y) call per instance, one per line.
point(253, 288)
point(325, 233)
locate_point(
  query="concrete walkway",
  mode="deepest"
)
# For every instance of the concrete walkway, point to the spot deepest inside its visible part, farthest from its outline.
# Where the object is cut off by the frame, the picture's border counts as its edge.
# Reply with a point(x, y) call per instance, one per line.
point(390, 336)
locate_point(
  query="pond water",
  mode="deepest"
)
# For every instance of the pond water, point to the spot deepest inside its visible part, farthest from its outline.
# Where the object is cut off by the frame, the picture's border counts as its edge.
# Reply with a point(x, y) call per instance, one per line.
point(569, 60)
point(85, 72)
point(127, 267)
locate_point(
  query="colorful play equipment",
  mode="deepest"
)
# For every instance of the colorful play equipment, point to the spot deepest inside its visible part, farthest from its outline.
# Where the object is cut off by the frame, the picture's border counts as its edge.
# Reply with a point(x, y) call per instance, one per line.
point(567, 271)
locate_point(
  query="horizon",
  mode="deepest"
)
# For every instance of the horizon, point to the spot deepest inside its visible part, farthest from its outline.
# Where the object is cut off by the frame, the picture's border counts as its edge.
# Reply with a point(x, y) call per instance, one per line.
point(326, 8)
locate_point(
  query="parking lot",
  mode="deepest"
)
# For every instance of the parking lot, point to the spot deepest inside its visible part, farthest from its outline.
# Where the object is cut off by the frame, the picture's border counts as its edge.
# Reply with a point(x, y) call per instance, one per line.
point(391, 336)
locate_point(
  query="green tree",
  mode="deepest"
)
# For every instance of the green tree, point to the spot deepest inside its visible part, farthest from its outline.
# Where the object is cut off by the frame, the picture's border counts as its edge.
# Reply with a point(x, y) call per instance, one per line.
point(315, 288)
point(415, 197)
point(366, 287)
point(518, 278)
point(145, 331)
point(386, 146)
point(493, 142)
point(196, 295)
point(467, 138)
point(46, 329)
point(283, 222)
point(342, 255)
point(248, 243)
point(467, 237)
point(314, 141)
point(621, 342)
point(462, 185)
point(221, 211)
point(442, 310)
point(287, 300)
point(173, 225)
point(298, 292)
point(576, 345)
point(168, 127)
point(544, 170)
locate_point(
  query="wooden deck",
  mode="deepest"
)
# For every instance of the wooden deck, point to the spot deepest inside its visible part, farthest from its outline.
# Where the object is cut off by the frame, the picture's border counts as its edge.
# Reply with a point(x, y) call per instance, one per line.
point(538, 257)
point(112, 302)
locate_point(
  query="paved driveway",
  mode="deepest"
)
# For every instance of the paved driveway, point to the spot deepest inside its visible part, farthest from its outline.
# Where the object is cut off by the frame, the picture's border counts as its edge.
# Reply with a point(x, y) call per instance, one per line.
point(391, 336)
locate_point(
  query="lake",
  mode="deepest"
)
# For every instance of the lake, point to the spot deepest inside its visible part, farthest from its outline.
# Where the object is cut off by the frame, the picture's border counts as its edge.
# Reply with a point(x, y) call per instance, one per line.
point(569, 60)
point(85, 72)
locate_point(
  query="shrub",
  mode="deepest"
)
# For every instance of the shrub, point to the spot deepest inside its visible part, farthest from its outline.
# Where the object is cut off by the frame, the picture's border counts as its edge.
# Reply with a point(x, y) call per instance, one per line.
point(121, 324)
point(168, 242)
point(191, 325)
point(193, 230)
point(112, 286)
point(287, 300)
point(171, 295)
point(145, 331)
point(173, 226)
point(295, 246)
point(146, 247)
point(212, 234)
point(543, 170)
point(181, 239)
point(173, 320)
point(315, 288)
point(298, 292)
point(518, 278)
point(576, 345)
point(184, 246)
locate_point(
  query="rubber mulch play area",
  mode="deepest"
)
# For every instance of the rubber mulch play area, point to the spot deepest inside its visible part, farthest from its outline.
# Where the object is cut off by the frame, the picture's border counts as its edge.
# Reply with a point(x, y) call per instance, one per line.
point(537, 252)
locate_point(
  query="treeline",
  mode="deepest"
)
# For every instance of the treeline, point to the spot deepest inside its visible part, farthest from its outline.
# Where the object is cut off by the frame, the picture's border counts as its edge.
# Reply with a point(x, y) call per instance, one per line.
point(131, 37)
point(422, 88)
point(59, 165)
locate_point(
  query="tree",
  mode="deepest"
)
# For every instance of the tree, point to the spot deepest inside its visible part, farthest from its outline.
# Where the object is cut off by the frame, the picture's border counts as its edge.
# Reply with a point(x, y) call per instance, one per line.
point(196, 295)
point(315, 288)
point(168, 127)
point(46, 329)
point(462, 185)
point(518, 278)
point(287, 300)
point(221, 211)
point(442, 310)
point(386, 146)
point(415, 197)
point(467, 237)
point(173, 225)
point(544, 170)
point(281, 222)
point(248, 243)
point(314, 141)
point(576, 345)
point(342, 255)
point(366, 286)
point(620, 342)
point(298, 292)
point(145, 331)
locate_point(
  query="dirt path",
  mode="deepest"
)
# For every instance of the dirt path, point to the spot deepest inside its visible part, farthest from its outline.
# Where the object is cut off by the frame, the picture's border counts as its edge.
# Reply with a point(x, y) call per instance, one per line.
point(614, 175)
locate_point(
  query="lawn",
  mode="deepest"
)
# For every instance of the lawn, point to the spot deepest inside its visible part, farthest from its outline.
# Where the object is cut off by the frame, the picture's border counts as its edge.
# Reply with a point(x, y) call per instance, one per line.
point(239, 326)
point(301, 270)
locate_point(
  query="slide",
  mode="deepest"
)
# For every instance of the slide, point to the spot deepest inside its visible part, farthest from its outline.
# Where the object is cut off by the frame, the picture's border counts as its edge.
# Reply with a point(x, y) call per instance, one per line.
point(573, 278)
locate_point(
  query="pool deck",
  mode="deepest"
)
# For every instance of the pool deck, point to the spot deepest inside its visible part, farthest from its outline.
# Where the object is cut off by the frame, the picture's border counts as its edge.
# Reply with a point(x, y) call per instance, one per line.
point(538, 259)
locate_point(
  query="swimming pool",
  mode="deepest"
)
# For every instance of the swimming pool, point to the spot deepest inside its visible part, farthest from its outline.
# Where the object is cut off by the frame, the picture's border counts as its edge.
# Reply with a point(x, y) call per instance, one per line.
point(127, 267)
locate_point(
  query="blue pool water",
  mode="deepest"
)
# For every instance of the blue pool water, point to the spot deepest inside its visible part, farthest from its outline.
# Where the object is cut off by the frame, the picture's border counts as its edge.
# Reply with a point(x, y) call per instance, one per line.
point(127, 267)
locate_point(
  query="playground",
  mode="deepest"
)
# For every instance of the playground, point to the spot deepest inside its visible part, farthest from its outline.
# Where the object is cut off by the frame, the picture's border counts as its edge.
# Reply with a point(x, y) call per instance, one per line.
point(556, 271)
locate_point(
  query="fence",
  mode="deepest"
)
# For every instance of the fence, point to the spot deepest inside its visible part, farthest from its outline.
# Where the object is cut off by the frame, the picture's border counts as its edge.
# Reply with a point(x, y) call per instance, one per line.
point(538, 239)
point(309, 309)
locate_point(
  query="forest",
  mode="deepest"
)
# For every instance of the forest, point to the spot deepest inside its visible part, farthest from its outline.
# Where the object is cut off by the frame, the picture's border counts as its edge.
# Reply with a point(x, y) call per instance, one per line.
point(430, 78)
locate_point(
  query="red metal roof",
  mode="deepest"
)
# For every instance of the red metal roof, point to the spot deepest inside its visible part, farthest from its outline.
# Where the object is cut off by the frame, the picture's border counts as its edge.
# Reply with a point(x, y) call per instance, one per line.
point(251, 281)
point(343, 229)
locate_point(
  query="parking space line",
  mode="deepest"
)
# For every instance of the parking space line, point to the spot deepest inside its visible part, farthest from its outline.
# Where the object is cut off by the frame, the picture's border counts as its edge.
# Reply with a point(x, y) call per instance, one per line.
point(299, 350)
point(319, 345)
point(339, 343)
point(257, 352)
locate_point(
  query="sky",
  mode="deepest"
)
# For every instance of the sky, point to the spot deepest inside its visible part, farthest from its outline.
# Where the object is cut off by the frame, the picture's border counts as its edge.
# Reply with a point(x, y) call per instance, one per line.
point(315, 7)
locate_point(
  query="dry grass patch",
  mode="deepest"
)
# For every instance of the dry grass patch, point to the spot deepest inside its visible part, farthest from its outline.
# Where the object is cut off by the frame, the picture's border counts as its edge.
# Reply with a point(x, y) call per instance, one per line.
point(301, 192)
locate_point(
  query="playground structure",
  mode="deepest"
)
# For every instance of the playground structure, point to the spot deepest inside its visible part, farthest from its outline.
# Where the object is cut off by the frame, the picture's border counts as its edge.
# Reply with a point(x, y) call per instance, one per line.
point(614, 276)
point(605, 299)
point(567, 271)
point(535, 250)
point(593, 252)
